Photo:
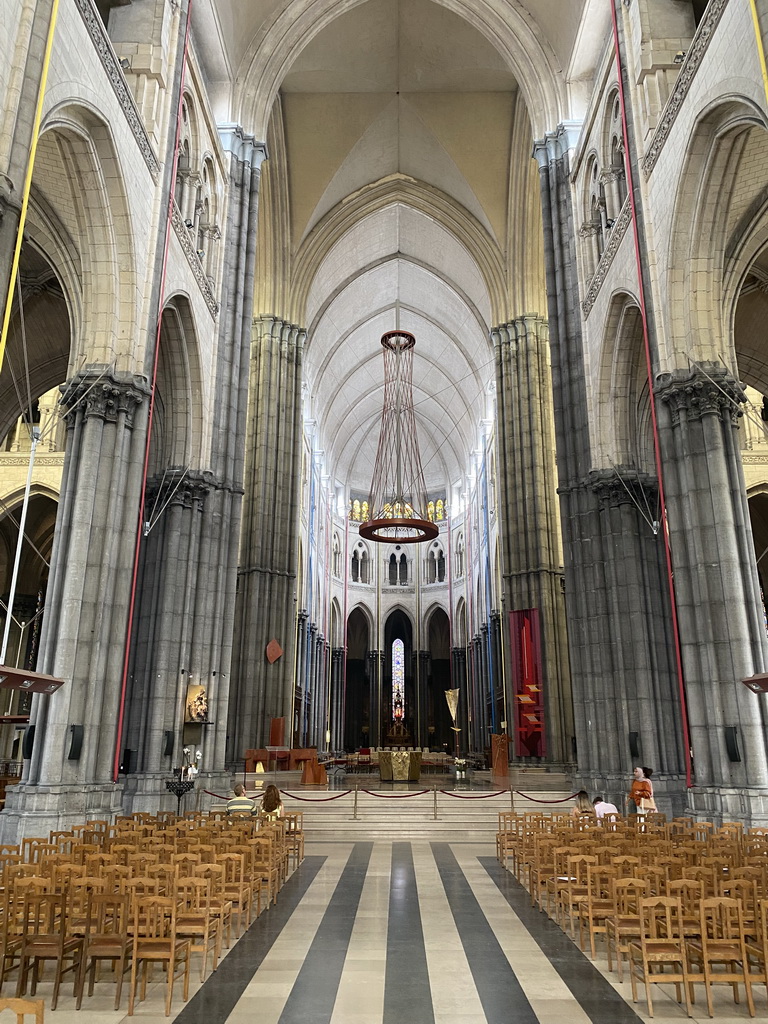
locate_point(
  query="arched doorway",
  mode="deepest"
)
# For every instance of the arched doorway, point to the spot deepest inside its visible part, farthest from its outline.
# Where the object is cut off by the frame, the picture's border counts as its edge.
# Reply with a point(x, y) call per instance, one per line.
point(440, 722)
point(357, 701)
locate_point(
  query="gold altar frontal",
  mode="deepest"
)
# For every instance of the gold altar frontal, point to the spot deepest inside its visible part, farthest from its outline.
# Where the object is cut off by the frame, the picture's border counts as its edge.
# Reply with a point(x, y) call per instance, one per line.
point(400, 765)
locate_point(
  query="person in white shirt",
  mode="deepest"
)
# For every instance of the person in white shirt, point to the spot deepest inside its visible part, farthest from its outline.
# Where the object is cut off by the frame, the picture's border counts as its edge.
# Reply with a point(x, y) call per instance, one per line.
point(602, 807)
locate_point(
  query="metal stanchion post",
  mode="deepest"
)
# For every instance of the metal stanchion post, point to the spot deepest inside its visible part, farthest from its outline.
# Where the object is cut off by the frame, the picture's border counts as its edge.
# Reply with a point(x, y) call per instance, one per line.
point(434, 796)
point(354, 811)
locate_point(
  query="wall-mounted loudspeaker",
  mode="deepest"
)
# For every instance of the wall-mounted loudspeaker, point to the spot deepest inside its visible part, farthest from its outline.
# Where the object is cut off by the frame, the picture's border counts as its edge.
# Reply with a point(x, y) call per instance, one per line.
point(732, 743)
point(168, 744)
point(76, 743)
point(634, 744)
point(28, 742)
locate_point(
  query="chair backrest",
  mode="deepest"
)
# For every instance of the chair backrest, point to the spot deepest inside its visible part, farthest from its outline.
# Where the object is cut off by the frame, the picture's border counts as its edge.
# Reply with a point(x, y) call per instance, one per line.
point(153, 917)
point(626, 893)
point(661, 918)
point(689, 891)
point(107, 914)
point(24, 1008)
point(721, 918)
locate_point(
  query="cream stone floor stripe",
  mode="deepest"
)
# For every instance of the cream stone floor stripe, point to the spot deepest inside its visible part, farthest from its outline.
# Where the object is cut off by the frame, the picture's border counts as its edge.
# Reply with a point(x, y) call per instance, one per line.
point(549, 996)
point(267, 993)
point(454, 995)
point(360, 996)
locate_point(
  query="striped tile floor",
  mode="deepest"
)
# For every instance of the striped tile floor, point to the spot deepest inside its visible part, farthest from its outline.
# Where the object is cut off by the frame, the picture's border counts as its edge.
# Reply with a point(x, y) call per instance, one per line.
point(403, 933)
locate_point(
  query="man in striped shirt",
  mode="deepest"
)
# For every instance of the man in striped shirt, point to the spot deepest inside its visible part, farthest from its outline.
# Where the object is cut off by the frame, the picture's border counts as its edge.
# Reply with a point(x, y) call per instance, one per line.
point(240, 802)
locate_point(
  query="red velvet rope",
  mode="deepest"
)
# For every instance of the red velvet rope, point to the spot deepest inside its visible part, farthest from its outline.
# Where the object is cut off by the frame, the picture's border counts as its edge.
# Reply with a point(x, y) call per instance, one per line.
point(394, 796)
point(564, 800)
point(466, 796)
point(217, 795)
point(320, 800)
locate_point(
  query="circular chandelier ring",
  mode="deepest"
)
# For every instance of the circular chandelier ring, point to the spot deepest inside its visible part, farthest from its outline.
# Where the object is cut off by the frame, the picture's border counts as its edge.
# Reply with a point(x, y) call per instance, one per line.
point(373, 530)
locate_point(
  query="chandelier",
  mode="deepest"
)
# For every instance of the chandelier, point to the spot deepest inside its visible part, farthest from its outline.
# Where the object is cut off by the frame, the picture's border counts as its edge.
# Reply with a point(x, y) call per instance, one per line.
point(397, 506)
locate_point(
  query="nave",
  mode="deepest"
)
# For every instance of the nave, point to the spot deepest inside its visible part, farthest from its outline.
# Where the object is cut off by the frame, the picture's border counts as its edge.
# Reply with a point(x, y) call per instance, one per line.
point(404, 933)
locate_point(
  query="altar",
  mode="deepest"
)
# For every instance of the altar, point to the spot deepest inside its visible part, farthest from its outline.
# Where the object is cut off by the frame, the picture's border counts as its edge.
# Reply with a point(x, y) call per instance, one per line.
point(399, 765)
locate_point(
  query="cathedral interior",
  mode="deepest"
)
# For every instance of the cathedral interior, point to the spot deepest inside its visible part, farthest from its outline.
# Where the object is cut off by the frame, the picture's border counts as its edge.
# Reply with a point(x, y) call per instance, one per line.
point(212, 212)
point(253, 255)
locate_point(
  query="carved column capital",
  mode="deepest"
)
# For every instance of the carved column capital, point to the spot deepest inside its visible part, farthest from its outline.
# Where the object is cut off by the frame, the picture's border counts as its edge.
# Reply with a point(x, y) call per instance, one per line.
point(623, 486)
point(104, 395)
point(699, 392)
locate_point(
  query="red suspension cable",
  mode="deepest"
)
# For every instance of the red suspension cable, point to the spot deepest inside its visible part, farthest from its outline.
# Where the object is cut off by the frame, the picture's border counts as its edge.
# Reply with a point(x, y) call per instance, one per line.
point(139, 531)
point(649, 369)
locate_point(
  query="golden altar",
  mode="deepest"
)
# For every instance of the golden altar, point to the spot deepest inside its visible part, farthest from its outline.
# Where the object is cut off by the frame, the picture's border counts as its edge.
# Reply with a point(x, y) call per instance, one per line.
point(400, 765)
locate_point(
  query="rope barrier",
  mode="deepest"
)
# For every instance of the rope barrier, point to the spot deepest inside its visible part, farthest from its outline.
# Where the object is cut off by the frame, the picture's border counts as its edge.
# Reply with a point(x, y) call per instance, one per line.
point(319, 800)
point(467, 796)
point(217, 795)
point(533, 799)
point(394, 796)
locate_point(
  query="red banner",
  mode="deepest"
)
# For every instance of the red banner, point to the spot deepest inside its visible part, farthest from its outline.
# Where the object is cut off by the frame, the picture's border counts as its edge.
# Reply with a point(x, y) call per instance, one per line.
point(527, 691)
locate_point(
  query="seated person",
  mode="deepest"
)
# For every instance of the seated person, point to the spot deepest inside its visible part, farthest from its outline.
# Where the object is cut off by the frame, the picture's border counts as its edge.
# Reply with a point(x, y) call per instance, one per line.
point(240, 802)
point(271, 804)
point(583, 808)
point(603, 807)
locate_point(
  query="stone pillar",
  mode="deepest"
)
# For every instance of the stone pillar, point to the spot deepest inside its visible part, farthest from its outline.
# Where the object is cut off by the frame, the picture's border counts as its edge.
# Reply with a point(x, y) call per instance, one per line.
point(266, 607)
point(338, 655)
point(171, 624)
point(636, 696)
point(529, 523)
point(421, 737)
point(374, 692)
point(459, 680)
point(84, 632)
point(722, 626)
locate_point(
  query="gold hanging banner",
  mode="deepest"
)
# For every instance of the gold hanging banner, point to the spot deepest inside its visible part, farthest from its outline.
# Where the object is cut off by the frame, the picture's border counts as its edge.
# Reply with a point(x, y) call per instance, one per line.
point(452, 697)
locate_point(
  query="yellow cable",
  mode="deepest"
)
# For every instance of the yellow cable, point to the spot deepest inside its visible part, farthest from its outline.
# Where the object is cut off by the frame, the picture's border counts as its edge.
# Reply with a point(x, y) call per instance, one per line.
point(760, 47)
point(28, 181)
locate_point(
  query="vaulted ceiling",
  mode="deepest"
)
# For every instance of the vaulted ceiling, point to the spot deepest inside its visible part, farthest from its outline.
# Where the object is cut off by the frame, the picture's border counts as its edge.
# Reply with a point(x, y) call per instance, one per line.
point(400, 159)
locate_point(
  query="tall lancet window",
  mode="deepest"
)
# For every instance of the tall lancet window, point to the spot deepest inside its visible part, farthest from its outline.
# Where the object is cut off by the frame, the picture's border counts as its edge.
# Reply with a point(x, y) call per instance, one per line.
point(398, 680)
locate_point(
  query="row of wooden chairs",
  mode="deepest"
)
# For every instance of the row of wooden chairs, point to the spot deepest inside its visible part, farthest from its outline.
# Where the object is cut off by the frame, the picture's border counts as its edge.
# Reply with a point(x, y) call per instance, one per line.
point(709, 888)
point(140, 890)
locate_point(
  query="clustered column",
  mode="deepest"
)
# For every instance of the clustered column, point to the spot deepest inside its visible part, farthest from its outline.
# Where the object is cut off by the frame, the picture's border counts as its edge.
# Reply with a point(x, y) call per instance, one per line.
point(266, 607)
point(83, 635)
point(721, 614)
point(530, 528)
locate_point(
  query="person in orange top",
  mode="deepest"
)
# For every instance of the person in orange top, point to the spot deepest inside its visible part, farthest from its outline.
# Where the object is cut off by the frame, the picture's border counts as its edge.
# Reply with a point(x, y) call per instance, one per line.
point(641, 793)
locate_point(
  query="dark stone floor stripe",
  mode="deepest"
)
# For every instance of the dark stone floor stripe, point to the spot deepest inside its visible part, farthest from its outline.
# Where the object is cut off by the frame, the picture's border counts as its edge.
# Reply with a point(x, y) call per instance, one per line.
point(501, 994)
point(314, 992)
point(596, 996)
point(407, 996)
point(216, 998)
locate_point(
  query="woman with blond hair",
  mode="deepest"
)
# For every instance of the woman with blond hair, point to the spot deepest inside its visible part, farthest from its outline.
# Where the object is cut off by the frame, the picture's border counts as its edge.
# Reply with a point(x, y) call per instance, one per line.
point(583, 806)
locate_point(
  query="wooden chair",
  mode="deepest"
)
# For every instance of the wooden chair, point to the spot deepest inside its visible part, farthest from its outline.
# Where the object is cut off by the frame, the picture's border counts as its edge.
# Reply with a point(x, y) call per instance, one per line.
point(45, 936)
point(221, 906)
point(597, 907)
point(573, 888)
point(197, 920)
point(155, 940)
point(237, 887)
point(662, 944)
point(10, 934)
point(106, 938)
point(722, 942)
point(757, 949)
point(24, 1008)
point(294, 836)
point(623, 925)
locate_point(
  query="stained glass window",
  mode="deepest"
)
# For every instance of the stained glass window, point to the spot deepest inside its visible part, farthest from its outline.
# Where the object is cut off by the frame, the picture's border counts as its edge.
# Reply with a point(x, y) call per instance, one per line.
point(398, 680)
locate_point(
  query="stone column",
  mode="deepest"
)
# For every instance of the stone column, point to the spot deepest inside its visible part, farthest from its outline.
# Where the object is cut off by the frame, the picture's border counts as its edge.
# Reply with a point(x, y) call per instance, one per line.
point(171, 620)
point(337, 700)
point(722, 626)
point(266, 607)
point(529, 522)
point(84, 631)
point(374, 691)
point(459, 679)
point(421, 737)
point(637, 702)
